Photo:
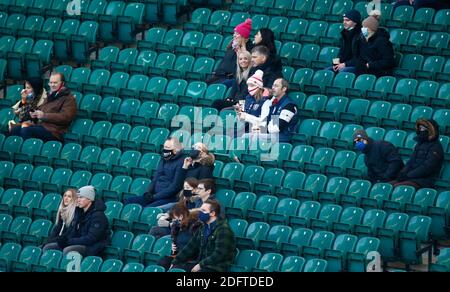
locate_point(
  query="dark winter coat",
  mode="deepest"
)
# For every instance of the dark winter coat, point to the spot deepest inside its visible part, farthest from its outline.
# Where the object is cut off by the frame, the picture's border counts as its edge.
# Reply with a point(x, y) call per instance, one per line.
point(228, 66)
point(271, 73)
point(378, 52)
point(201, 169)
point(382, 160)
point(238, 91)
point(216, 252)
point(426, 161)
point(347, 42)
point(90, 228)
point(167, 181)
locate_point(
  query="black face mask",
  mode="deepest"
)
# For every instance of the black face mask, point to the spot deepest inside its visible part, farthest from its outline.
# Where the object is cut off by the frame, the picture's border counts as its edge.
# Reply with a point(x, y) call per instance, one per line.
point(187, 193)
point(194, 154)
point(167, 154)
point(423, 135)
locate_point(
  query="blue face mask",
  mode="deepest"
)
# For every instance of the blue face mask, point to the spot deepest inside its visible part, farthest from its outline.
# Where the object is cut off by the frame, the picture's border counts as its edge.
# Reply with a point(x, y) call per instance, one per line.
point(30, 96)
point(360, 146)
point(365, 31)
point(204, 217)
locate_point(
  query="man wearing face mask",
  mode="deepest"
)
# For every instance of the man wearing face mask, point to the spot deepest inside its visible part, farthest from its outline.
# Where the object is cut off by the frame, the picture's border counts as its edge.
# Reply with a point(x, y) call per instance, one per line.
point(374, 53)
point(426, 160)
point(213, 246)
point(381, 158)
point(168, 178)
point(349, 37)
point(199, 164)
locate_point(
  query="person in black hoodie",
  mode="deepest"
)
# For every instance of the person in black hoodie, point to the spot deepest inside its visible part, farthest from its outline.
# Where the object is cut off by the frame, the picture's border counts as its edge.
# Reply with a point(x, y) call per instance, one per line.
point(349, 36)
point(89, 233)
point(426, 160)
point(373, 53)
point(381, 157)
point(168, 178)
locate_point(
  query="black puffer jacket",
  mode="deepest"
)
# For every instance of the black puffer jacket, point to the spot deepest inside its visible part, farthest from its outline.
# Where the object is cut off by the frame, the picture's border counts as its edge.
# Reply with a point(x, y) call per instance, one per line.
point(378, 52)
point(426, 161)
point(382, 160)
point(90, 228)
point(228, 66)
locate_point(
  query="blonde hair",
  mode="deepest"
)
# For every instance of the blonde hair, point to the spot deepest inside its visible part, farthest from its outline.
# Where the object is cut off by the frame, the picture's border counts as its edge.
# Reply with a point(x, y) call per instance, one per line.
point(66, 213)
point(177, 147)
point(242, 74)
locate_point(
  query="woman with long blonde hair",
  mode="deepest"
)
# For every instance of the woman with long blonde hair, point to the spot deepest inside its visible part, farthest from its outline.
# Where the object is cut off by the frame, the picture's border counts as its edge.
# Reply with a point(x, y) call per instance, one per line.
point(64, 218)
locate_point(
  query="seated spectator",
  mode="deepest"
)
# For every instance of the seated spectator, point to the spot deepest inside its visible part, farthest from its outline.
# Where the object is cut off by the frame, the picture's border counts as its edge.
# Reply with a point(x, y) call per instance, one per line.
point(64, 218)
point(33, 95)
point(381, 157)
point(53, 117)
point(265, 37)
point(257, 104)
point(349, 37)
point(89, 233)
point(239, 88)
point(200, 162)
point(185, 197)
point(183, 226)
point(225, 73)
point(426, 161)
point(168, 179)
point(281, 117)
point(206, 190)
point(260, 61)
point(213, 246)
point(374, 53)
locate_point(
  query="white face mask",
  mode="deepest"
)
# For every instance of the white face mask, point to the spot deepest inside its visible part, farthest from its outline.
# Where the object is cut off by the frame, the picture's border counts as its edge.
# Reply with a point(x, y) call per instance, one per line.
point(349, 28)
point(365, 31)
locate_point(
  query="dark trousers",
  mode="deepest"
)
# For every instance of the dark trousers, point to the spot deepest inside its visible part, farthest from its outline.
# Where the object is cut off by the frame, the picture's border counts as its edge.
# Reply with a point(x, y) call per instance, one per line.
point(189, 265)
point(38, 132)
point(141, 200)
point(396, 183)
point(220, 104)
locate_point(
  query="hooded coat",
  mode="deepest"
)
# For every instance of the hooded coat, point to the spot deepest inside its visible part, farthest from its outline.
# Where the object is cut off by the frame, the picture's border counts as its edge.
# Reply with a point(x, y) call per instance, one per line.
point(427, 158)
point(90, 228)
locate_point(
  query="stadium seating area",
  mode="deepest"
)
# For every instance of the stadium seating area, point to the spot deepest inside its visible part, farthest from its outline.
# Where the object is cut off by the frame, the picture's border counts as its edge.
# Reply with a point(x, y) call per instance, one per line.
point(310, 209)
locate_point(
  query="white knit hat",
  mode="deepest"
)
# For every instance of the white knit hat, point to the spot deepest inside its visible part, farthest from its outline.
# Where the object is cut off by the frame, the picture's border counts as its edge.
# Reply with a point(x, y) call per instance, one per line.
point(87, 192)
point(256, 79)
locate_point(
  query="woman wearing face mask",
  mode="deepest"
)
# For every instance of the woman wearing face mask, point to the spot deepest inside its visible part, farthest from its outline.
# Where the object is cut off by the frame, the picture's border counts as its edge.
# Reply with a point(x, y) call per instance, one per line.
point(32, 96)
point(184, 224)
point(257, 104)
point(239, 89)
point(374, 53)
point(425, 163)
point(200, 163)
point(225, 73)
point(64, 218)
point(266, 37)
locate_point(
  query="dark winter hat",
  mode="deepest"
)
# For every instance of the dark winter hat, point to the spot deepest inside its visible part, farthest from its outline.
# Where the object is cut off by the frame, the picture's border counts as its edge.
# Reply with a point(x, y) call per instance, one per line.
point(371, 23)
point(361, 134)
point(353, 15)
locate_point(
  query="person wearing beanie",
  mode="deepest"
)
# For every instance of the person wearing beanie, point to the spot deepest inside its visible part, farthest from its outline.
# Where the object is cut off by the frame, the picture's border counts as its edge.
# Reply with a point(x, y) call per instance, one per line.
point(373, 52)
point(90, 232)
point(425, 163)
point(381, 158)
point(349, 37)
point(225, 72)
point(33, 95)
point(256, 107)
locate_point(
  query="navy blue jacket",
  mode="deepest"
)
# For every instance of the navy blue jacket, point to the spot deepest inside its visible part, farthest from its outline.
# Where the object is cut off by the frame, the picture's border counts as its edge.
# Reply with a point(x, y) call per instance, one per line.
point(286, 129)
point(90, 228)
point(168, 180)
point(347, 43)
point(253, 107)
point(382, 160)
